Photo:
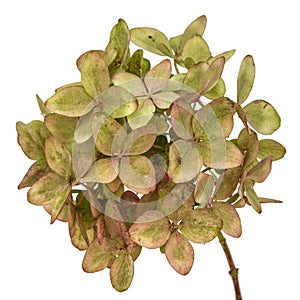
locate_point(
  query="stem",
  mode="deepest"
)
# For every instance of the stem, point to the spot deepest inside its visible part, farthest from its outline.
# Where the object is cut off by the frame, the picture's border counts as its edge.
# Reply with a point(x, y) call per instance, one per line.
point(233, 270)
point(176, 67)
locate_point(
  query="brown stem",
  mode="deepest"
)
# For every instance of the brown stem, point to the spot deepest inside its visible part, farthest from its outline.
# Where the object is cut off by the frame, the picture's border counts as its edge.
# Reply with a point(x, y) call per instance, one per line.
point(233, 270)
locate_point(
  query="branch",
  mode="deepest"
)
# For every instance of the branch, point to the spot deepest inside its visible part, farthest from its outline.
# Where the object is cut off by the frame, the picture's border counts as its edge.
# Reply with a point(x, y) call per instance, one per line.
point(233, 270)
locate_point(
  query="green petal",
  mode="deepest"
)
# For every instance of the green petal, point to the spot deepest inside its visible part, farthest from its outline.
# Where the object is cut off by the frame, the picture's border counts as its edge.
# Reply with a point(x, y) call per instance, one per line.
point(195, 48)
point(131, 83)
point(197, 27)
point(109, 135)
point(262, 116)
point(135, 63)
point(42, 106)
point(176, 200)
point(260, 171)
point(248, 140)
point(104, 170)
point(201, 226)
point(245, 78)
point(220, 154)
point(204, 189)
point(151, 39)
point(227, 183)
point(58, 202)
point(181, 117)
point(217, 91)
point(48, 188)
point(268, 147)
point(94, 74)
point(175, 43)
point(114, 224)
point(58, 157)
point(83, 129)
point(137, 173)
point(161, 70)
point(140, 140)
point(117, 102)
point(164, 100)
point(119, 40)
point(231, 220)
point(31, 138)
point(142, 115)
point(71, 101)
point(151, 230)
point(251, 196)
point(179, 253)
point(61, 127)
point(34, 173)
point(214, 120)
point(121, 271)
point(227, 55)
point(97, 257)
point(184, 161)
point(202, 77)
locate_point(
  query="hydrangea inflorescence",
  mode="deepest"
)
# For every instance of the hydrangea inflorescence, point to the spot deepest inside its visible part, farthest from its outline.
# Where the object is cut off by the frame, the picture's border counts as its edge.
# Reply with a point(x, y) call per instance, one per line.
point(136, 156)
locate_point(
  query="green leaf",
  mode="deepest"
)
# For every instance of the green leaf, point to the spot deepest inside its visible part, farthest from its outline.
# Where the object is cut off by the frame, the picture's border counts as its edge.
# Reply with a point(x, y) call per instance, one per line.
point(231, 220)
point(58, 157)
point(109, 135)
point(61, 127)
point(104, 170)
point(48, 188)
point(63, 214)
point(195, 48)
point(94, 74)
point(217, 91)
point(204, 188)
point(142, 115)
point(184, 161)
point(151, 39)
point(108, 56)
point(179, 253)
point(97, 257)
point(227, 183)
point(201, 226)
point(117, 102)
point(121, 271)
point(42, 106)
point(71, 101)
point(268, 147)
point(151, 230)
point(251, 196)
point(35, 172)
point(262, 116)
point(137, 173)
point(219, 154)
point(245, 78)
point(31, 138)
point(197, 27)
point(119, 40)
point(260, 171)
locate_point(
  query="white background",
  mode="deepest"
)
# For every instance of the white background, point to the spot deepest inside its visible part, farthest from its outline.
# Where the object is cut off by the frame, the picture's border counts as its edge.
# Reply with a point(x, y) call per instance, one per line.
point(40, 41)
